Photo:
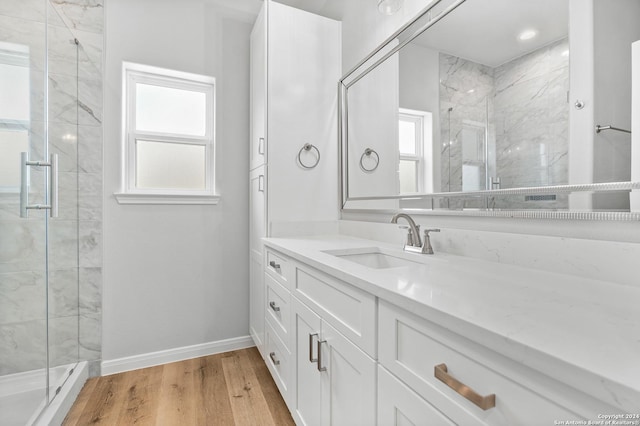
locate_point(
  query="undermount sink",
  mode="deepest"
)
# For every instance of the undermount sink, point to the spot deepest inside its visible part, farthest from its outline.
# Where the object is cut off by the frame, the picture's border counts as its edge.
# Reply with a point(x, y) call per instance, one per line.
point(372, 257)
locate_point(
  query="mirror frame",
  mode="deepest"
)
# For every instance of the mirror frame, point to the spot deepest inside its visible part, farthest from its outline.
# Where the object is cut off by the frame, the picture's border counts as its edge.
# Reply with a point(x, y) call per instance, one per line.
point(388, 48)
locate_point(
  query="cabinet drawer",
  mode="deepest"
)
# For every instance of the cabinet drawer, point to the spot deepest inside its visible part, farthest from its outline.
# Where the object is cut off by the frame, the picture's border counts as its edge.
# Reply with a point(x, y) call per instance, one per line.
point(398, 405)
point(278, 359)
point(350, 310)
point(411, 348)
point(279, 268)
point(278, 309)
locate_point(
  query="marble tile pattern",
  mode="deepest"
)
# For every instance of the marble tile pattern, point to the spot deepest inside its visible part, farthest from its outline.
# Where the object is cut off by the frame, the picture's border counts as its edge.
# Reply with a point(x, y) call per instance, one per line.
point(466, 95)
point(522, 105)
point(532, 122)
point(75, 133)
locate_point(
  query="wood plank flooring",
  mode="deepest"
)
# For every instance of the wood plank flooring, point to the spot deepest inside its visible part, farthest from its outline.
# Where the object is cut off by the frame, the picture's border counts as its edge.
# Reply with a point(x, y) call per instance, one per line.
point(233, 388)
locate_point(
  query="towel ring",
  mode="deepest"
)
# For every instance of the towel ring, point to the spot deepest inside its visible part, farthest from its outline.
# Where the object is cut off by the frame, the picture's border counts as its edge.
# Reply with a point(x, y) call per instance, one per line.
point(308, 147)
point(367, 152)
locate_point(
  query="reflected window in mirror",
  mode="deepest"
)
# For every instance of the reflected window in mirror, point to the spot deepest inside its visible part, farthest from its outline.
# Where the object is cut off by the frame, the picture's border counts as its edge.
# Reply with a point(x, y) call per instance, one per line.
point(414, 139)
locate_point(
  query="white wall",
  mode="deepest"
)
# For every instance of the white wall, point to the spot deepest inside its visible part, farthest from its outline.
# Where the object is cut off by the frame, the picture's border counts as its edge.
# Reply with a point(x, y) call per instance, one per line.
point(177, 275)
point(616, 27)
point(420, 90)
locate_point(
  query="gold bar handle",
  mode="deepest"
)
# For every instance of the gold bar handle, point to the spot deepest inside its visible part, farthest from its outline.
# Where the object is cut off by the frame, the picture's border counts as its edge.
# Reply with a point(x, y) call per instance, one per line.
point(484, 402)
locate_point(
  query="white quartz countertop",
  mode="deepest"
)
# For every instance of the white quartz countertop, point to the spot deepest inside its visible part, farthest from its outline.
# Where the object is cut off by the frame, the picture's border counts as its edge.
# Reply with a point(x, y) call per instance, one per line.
point(556, 323)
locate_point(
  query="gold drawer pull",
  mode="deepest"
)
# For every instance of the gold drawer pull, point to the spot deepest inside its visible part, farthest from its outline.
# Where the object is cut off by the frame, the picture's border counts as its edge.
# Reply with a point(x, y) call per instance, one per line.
point(484, 402)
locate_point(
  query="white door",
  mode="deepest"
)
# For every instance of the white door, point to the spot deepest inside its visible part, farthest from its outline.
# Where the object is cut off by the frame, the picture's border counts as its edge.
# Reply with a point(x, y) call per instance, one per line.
point(306, 402)
point(258, 81)
point(348, 383)
point(257, 229)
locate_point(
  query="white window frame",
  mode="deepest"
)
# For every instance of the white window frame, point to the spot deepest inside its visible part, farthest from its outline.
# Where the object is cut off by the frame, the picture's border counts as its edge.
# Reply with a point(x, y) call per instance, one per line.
point(133, 74)
point(17, 55)
point(417, 119)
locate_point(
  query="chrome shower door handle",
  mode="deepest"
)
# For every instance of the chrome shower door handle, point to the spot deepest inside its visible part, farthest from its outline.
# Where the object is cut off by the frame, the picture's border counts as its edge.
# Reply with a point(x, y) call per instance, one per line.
point(53, 186)
point(24, 184)
point(52, 181)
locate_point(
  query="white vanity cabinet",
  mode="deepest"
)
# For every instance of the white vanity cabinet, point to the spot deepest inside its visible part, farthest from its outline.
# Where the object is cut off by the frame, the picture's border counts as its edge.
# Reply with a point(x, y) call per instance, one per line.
point(277, 311)
point(325, 377)
point(447, 373)
point(399, 405)
point(335, 380)
point(295, 66)
point(342, 356)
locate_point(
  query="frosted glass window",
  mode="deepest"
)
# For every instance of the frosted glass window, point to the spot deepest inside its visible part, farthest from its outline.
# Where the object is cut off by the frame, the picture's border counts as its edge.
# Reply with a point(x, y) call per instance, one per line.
point(14, 87)
point(169, 140)
point(12, 143)
point(169, 110)
point(161, 165)
point(407, 137)
point(408, 176)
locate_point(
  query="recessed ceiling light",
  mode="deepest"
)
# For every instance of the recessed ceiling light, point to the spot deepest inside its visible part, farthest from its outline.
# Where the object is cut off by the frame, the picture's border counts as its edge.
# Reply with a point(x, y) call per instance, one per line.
point(565, 53)
point(527, 35)
point(389, 7)
point(471, 90)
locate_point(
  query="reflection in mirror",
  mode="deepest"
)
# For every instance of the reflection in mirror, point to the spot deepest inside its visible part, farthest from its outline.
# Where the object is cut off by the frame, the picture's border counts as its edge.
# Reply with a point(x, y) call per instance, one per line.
point(14, 113)
point(484, 100)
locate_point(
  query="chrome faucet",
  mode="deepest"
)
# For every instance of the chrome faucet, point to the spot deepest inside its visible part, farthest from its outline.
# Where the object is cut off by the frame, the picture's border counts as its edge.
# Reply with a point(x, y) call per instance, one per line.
point(414, 243)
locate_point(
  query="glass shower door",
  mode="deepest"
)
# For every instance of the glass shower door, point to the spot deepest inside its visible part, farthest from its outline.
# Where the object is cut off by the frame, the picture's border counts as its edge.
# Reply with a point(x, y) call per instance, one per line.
point(63, 227)
point(39, 218)
point(23, 274)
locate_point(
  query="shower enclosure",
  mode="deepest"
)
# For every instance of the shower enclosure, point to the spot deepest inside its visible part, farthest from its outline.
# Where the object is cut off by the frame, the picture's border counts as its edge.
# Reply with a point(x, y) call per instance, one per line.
point(39, 279)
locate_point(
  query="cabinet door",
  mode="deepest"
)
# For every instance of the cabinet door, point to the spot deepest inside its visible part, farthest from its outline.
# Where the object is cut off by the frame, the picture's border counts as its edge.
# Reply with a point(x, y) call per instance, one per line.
point(256, 301)
point(305, 404)
point(257, 209)
point(256, 273)
point(258, 85)
point(400, 406)
point(348, 383)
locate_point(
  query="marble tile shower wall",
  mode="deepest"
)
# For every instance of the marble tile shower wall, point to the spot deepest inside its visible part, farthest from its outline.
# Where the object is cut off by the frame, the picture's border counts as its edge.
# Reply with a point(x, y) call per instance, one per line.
point(523, 105)
point(532, 123)
point(466, 103)
point(75, 237)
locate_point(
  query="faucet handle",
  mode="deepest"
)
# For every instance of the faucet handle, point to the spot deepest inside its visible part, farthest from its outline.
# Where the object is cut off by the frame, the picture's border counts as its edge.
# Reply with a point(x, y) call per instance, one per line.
point(426, 231)
point(426, 246)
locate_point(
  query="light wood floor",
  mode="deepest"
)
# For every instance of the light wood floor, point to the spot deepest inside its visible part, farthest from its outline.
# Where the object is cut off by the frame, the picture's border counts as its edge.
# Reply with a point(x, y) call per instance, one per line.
point(233, 388)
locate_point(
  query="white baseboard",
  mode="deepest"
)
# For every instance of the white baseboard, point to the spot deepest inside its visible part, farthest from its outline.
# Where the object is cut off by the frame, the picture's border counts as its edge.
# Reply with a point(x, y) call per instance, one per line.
point(151, 359)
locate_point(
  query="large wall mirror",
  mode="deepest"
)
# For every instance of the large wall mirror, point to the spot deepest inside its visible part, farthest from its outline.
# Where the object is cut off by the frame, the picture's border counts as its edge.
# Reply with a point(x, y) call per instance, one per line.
point(496, 106)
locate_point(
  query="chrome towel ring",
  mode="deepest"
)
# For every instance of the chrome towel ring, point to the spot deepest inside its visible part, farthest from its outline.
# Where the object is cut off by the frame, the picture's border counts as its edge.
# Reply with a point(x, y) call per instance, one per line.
point(308, 147)
point(368, 152)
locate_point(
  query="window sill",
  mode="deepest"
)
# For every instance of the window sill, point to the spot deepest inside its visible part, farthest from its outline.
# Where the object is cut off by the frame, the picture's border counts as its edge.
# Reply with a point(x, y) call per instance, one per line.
point(129, 198)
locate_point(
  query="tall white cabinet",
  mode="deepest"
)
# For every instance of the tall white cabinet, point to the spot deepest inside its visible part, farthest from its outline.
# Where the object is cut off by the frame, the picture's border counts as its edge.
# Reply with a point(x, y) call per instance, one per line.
point(295, 68)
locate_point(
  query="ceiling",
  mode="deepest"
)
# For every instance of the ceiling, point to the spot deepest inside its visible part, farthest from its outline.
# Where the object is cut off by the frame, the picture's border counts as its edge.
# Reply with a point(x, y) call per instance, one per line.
point(483, 31)
point(486, 31)
point(333, 9)
point(330, 8)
